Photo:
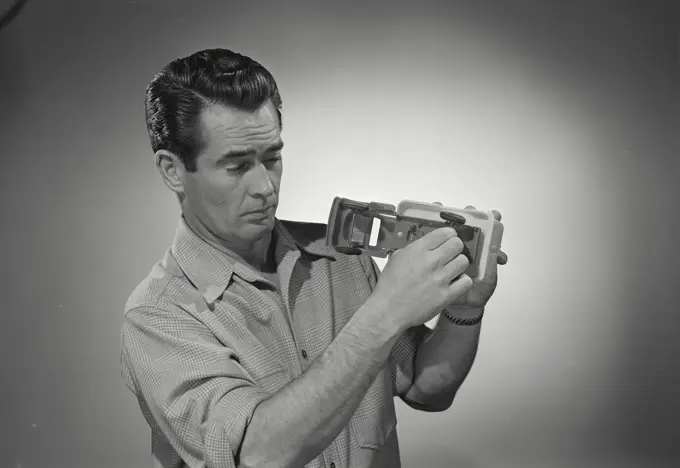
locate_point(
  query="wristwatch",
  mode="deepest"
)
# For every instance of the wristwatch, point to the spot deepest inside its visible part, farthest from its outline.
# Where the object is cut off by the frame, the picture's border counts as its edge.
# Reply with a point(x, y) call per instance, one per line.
point(464, 321)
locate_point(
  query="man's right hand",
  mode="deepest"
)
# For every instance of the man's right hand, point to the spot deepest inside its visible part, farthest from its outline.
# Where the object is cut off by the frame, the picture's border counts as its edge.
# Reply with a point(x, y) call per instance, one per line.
point(422, 278)
point(299, 421)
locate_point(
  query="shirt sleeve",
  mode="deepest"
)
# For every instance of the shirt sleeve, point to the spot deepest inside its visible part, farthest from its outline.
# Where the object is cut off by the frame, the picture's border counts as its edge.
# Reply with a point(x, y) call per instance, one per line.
point(198, 394)
point(403, 355)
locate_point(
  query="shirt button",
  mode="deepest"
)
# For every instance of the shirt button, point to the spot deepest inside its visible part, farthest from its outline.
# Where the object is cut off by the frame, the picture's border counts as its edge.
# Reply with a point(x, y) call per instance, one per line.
point(304, 355)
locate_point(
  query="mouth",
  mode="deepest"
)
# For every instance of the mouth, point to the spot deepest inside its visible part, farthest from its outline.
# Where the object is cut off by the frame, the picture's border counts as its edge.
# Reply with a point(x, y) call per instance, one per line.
point(261, 212)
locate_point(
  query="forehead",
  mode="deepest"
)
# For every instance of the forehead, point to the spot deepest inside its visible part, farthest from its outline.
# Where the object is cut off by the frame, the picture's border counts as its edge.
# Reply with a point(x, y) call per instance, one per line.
point(230, 129)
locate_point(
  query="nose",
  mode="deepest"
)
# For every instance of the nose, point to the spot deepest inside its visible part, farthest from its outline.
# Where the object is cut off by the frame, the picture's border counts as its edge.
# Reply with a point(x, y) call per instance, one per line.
point(261, 185)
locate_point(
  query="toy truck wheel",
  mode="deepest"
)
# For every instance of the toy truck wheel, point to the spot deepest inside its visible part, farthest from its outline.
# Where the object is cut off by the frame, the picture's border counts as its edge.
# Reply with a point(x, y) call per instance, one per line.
point(452, 217)
point(353, 205)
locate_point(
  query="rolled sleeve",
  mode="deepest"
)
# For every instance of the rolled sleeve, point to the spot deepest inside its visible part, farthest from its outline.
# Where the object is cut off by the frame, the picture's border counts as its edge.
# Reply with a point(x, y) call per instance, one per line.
point(403, 355)
point(198, 394)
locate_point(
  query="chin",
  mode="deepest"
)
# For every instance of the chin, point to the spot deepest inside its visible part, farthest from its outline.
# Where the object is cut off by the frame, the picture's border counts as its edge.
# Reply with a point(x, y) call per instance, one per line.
point(259, 228)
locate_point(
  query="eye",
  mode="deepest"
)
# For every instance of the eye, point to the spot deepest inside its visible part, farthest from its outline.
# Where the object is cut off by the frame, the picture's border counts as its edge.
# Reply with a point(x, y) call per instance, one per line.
point(238, 168)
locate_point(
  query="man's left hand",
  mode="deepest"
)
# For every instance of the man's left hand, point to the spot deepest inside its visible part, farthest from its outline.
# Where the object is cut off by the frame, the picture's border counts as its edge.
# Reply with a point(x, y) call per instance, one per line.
point(481, 292)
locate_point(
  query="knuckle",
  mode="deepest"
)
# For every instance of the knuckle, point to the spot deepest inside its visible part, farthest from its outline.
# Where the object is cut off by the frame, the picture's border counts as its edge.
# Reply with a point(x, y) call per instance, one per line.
point(441, 278)
point(445, 232)
point(466, 281)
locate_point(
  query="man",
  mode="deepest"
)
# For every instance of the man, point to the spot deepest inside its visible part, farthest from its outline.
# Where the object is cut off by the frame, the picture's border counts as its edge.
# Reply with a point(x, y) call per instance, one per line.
point(251, 343)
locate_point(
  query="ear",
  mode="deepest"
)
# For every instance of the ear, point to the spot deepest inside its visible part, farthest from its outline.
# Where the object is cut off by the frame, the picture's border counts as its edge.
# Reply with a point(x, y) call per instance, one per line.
point(171, 170)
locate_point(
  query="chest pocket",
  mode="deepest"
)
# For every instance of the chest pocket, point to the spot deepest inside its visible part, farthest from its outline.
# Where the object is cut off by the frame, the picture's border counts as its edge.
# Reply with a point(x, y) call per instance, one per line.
point(375, 418)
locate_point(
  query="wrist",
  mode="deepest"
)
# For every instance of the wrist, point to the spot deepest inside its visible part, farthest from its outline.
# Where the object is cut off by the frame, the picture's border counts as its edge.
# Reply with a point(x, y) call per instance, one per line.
point(377, 315)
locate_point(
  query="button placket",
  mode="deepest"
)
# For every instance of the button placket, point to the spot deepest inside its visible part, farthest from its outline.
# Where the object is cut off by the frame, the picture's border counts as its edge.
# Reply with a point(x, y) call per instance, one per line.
point(286, 271)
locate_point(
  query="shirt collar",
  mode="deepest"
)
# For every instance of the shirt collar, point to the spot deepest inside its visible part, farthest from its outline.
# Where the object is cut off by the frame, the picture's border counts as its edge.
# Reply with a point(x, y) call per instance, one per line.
point(286, 241)
point(211, 270)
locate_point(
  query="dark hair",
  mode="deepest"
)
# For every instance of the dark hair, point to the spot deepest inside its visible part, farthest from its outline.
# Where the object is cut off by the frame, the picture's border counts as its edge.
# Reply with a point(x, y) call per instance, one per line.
point(177, 95)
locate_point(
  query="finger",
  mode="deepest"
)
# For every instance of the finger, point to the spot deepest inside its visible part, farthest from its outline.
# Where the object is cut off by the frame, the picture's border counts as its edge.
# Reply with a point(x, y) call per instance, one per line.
point(449, 251)
point(434, 239)
point(502, 258)
point(460, 286)
point(496, 214)
point(456, 267)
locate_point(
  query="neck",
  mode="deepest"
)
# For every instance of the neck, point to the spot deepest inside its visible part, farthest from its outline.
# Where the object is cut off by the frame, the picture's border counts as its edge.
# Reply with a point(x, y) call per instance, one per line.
point(255, 254)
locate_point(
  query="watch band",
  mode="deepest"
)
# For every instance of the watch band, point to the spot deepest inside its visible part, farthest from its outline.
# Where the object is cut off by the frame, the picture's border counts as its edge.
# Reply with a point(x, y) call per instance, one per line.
point(463, 321)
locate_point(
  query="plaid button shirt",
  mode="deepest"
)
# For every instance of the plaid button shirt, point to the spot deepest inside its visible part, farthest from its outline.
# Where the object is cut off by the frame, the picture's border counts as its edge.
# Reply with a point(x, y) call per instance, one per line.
point(205, 340)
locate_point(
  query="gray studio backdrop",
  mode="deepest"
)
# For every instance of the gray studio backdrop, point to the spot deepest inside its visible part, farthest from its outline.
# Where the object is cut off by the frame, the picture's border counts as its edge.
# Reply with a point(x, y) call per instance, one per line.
point(562, 115)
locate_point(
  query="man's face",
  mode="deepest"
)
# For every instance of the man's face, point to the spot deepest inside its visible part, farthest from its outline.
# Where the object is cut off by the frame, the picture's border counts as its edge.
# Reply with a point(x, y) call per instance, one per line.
point(237, 174)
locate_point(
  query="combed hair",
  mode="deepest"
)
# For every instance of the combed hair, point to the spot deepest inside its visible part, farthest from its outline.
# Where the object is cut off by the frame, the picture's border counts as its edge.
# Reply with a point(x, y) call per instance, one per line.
point(176, 96)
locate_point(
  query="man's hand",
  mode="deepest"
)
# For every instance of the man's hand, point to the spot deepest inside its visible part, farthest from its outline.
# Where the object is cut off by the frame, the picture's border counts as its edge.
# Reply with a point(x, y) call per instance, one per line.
point(480, 293)
point(422, 278)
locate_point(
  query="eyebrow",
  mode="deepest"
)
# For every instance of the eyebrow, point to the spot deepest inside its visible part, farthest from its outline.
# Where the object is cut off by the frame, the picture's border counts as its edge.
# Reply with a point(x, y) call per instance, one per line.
point(278, 146)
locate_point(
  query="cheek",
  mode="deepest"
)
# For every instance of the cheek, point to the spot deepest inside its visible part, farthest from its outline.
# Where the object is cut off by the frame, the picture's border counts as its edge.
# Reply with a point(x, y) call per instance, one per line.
point(276, 175)
point(216, 195)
